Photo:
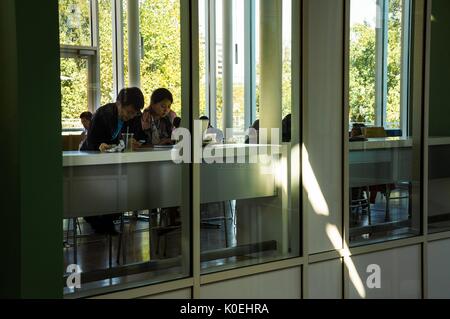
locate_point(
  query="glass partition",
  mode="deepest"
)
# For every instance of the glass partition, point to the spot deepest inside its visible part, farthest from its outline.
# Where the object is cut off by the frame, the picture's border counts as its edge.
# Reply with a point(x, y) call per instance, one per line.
point(126, 202)
point(439, 129)
point(384, 154)
point(245, 177)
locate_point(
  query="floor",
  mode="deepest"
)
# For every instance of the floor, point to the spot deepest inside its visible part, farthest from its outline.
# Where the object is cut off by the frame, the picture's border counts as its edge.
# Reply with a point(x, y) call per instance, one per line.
point(142, 246)
point(217, 234)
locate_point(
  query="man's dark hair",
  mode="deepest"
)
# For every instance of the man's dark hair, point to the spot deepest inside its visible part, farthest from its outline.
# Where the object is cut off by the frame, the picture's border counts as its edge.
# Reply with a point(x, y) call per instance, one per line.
point(204, 117)
point(86, 115)
point(160, 95)
point(131, 96)
point(286, 129)
point(177, 122)
point(255, 125)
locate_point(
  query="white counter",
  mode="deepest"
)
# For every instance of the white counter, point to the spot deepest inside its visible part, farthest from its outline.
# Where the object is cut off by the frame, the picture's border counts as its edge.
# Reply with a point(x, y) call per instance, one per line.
point(394, 142)
point(76, 158)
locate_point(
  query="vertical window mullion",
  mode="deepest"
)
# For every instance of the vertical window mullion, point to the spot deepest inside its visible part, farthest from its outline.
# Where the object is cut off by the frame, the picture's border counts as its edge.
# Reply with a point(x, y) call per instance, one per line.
point(381, 62)
point(94, 61)
point(250, 63)
point(212, 62)
point(405, 67)
point(385, 60)
point(118, 60)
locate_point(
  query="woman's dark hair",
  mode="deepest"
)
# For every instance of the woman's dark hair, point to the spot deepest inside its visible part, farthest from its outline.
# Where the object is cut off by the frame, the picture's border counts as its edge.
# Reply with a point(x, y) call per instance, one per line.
point(177, 122)
point(357, 128)
point(131, 96)
point(255, 125)
point(286, 129)
point(160, 95)
point(86, 115)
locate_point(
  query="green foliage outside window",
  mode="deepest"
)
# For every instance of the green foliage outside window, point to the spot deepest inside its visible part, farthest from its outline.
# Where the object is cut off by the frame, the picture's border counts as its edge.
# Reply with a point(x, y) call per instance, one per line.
point(363, 69)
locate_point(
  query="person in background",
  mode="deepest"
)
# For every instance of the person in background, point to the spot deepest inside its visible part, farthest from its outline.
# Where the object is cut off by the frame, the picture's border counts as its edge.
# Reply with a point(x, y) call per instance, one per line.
point(155, 119)
point(104, 132)
point(253, 135)
point(213, 130)
point(286, 129)
point(176, 126)
point(176, 122)
point(86, 118)
point(356, 134)
point(108, 120)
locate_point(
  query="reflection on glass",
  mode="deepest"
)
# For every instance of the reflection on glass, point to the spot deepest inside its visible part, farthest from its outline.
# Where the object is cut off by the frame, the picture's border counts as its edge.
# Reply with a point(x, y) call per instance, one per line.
point(126, 214)
point(245, 208)
point(75, 22)
point(384, 179)
point(246, 213)
point(439, 128)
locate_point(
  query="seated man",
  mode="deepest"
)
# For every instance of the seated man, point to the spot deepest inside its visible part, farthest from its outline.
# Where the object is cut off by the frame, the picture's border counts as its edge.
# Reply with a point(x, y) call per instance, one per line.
point(104, 133)
point(86, 118)
point(108, 120)
point(213, 130)
point(356, 134)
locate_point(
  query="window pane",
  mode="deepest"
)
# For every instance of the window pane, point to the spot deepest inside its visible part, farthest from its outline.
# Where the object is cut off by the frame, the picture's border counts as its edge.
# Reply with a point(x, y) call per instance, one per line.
point(246, 217)
point(160, 65)
point(127, 210)
point(106, 50)
point(363, 15)
point(394, 64)
point(384, 166)
point(287, 57)
point(439, 114)
point(75, 22)
point(74, 92)
point(203, 71)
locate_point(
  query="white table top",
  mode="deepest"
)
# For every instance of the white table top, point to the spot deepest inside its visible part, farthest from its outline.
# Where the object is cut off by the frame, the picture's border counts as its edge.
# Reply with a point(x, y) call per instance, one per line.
point(394, 142)
point(76, 158)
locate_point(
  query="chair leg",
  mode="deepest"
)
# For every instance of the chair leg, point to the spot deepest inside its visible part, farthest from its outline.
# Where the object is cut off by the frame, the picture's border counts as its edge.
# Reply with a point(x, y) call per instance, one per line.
point(75, 244)
point(409, 200)
point(110, 250)
point(119, 244)
point(68, 231)
point(225, 224)
point(387, 217)
point(79, 226)
point(368, 205)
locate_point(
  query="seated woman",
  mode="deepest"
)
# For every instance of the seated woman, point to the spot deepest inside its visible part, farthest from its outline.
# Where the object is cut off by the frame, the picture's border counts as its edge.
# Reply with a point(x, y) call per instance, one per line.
point(155, 119)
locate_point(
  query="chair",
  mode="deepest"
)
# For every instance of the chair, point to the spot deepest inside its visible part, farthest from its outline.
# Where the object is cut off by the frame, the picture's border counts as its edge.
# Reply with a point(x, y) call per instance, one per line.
point(360, 201)
point(374, 132)
point(205, 222)
point(71, 142)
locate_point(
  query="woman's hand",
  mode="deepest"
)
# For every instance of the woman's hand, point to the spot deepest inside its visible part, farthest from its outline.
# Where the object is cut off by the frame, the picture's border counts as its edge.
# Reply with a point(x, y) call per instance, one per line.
point(104, 147)
point(135, 143)
point(146, 120)
point(166, 141)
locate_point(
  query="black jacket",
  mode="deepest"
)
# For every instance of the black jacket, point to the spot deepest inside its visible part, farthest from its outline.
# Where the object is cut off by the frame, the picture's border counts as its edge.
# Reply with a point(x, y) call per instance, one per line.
point(103, 126)
point(134, 126)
